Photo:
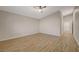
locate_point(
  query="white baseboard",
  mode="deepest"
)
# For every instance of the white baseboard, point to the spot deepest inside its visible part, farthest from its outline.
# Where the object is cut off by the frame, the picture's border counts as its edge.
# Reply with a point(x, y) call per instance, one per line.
point(16, 37)
point(21, 36)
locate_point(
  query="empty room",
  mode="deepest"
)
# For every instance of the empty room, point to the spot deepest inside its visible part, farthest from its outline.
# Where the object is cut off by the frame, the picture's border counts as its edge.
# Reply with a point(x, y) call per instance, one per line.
point(39, 29)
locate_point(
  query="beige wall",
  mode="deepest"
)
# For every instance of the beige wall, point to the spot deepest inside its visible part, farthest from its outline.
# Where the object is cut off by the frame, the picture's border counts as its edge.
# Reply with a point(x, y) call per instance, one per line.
point(51, 24)
point(12, 25)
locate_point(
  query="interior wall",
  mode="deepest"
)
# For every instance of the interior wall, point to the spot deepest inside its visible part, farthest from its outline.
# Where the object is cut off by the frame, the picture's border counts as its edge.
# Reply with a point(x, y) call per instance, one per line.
point(51, 24)
point(13, 25)
point(67, 23)
point(77, 26)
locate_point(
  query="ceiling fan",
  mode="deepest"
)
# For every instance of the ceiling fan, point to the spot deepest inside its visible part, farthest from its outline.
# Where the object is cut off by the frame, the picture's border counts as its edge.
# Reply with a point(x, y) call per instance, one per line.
point(40, 8)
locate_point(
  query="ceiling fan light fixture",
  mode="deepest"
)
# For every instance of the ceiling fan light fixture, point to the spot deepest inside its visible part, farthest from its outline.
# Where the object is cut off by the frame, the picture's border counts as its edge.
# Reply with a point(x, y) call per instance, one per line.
point(39, 8)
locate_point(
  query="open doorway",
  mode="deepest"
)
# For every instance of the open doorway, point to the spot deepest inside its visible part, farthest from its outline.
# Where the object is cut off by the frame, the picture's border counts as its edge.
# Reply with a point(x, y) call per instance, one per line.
point(67, 24)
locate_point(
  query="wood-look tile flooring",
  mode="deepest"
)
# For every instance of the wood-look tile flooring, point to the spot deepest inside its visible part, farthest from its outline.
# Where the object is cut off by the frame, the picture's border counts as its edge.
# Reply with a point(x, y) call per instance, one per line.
point(40, 43)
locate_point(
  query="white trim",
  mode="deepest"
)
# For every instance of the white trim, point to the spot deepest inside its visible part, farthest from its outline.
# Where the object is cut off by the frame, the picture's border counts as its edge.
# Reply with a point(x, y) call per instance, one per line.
point(16, 37)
